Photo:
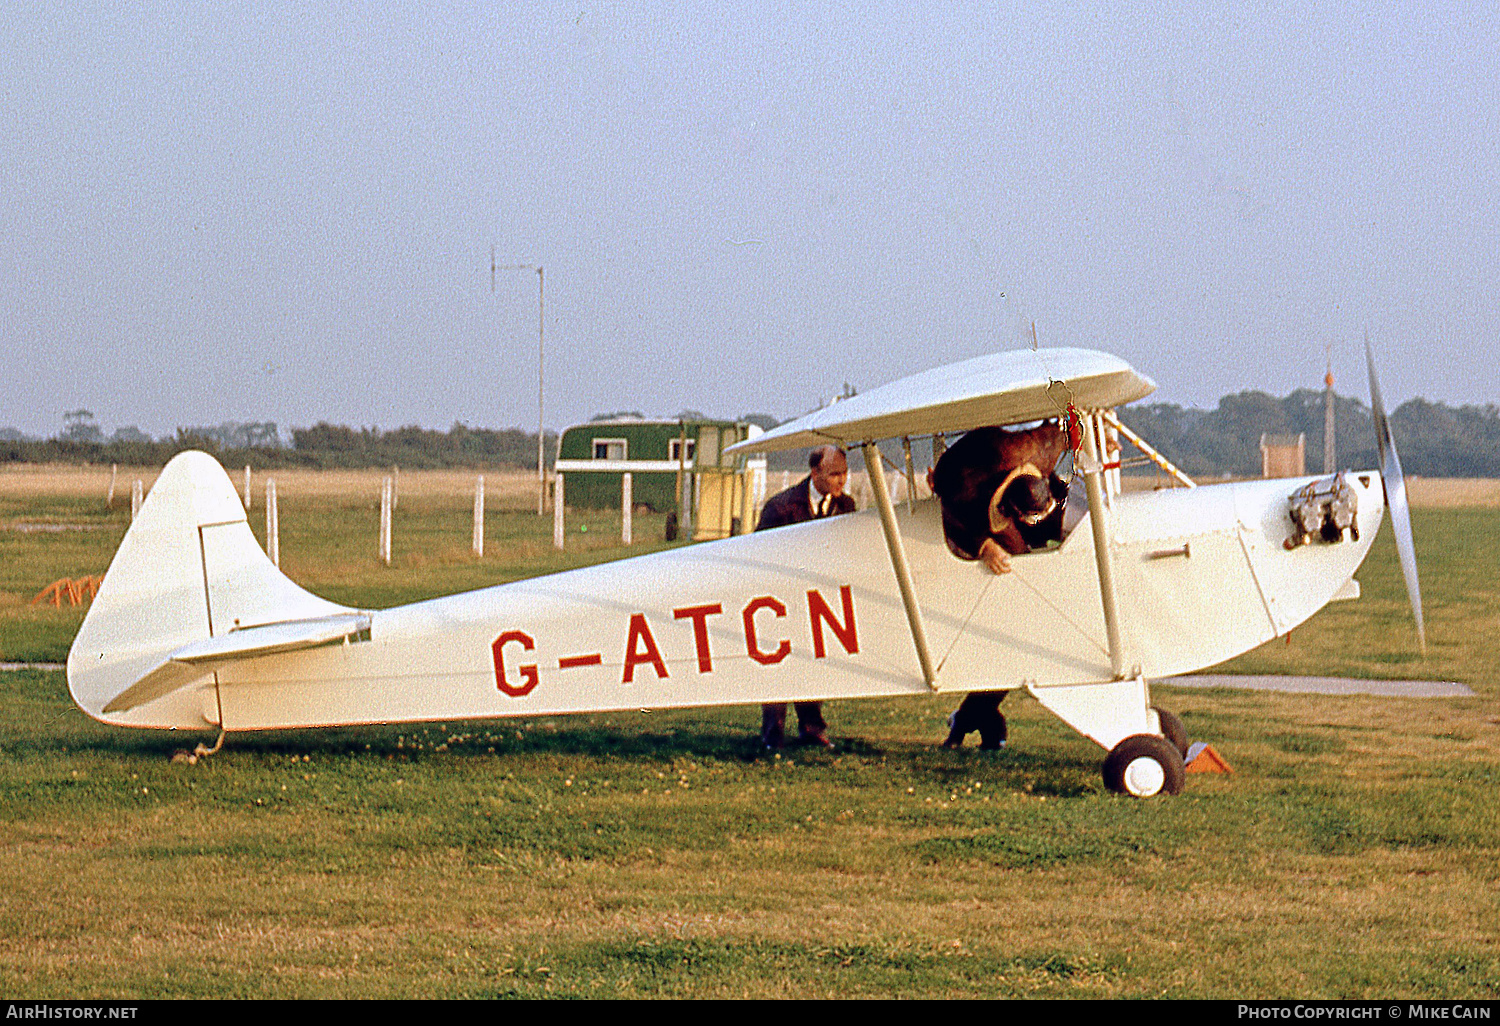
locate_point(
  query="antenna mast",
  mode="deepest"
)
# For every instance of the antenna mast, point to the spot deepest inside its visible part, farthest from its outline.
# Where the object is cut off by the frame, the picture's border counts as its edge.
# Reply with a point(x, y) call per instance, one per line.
point(1329, 463)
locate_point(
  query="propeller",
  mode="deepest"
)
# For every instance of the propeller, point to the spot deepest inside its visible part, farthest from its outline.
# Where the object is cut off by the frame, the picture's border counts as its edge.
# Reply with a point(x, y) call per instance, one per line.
point(1395, 499)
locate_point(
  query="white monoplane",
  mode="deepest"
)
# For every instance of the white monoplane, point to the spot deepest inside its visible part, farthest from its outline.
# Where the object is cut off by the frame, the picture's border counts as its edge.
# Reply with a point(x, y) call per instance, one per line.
point(194, 628)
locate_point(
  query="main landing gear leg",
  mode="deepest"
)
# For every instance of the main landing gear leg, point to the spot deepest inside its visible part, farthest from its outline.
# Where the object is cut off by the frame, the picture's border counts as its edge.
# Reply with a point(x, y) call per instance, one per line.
point(1146, 745)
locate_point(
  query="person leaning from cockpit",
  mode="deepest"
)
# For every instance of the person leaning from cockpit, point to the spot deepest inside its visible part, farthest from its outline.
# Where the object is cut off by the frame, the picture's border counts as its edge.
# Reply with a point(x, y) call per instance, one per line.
point(1000, 497)
point(999, 493)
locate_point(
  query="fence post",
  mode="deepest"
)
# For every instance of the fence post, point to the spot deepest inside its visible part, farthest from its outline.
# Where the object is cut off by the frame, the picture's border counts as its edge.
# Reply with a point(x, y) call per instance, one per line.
point(557, 513)
point(247, 487)
point(686, 512)
point(911, 477)
point(114, 470)
point(135, 498)
point(387, 491)
point(273, 523)
point(479, 515)
point(627, 508)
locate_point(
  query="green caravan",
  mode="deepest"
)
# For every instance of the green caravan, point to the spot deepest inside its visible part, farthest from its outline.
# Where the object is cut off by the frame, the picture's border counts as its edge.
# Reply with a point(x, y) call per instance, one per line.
point(675, 466)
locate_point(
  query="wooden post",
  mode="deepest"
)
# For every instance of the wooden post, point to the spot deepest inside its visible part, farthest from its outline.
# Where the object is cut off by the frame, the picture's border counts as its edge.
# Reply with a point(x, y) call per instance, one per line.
point(387, 493)
point(557, 512)
point(747, 498)
point(627, 507)
point(687, 512)
point(135, 498)
point(479, 515)
point(114, 470)
point(739, 491)
point(911, 477)
point(247, 487)
point(273, 521)
point(395, 488)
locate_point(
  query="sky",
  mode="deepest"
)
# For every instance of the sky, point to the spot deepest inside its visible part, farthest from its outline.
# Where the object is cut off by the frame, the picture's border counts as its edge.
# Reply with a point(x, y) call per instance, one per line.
point(286, 212)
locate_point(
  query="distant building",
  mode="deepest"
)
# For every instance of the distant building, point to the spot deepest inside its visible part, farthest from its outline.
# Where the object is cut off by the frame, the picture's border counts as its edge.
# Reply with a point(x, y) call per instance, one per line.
point(674, 465)
point(1283, 455)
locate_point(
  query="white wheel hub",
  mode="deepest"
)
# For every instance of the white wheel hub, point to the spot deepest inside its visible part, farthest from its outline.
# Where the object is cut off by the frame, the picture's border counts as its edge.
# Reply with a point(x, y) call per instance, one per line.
point(1144, 777)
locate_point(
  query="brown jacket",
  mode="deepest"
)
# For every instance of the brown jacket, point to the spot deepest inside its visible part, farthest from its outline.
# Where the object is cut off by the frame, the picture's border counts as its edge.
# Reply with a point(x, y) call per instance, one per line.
point(966, 478)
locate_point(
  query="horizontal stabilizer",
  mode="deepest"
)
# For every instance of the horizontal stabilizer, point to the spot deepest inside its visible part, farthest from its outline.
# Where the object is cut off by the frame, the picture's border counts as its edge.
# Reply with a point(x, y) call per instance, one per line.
point(192, 661)
point(165, 679)
point(271, 638)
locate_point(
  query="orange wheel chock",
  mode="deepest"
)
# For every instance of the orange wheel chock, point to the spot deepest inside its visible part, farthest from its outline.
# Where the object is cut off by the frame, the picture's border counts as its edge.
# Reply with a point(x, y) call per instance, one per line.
point(1201, 758)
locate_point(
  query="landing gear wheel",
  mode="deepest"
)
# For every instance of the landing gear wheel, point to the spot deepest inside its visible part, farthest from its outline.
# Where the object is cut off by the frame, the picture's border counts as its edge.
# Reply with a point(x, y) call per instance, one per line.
point(1172, 729)
point(1144, 765)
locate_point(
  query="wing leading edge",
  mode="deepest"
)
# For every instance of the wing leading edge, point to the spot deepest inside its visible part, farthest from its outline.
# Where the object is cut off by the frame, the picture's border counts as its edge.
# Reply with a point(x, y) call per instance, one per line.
point(1001, 388)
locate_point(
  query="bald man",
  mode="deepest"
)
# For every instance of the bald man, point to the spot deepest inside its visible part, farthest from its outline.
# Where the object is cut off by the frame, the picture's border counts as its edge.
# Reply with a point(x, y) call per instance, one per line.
point(819, 494)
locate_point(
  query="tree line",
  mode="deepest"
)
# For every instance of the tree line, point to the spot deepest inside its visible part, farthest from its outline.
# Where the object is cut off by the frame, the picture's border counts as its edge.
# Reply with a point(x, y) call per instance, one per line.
point(322, 446)
point(1435, 440)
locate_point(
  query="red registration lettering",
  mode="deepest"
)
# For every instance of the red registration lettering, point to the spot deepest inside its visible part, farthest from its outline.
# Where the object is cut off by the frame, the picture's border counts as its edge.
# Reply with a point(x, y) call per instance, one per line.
point(819, 613)
point(699, 615)
point(752, 647)
point(640, 648)
point(528, 673)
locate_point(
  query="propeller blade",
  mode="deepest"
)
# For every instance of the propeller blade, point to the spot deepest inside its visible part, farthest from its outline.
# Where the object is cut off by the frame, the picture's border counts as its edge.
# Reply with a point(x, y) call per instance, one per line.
point(1395, 499)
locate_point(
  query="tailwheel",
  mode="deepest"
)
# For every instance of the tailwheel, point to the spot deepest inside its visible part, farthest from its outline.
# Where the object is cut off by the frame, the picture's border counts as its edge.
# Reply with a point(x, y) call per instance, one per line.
point(1144, 765)
point(1172, 729)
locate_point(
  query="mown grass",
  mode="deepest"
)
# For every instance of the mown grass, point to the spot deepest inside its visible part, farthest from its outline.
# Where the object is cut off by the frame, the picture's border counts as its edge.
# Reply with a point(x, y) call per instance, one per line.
point(1354, 853)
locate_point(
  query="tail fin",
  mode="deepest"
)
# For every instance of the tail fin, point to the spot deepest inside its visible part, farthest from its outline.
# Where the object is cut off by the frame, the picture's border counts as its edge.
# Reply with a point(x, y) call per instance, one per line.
point(188, 570)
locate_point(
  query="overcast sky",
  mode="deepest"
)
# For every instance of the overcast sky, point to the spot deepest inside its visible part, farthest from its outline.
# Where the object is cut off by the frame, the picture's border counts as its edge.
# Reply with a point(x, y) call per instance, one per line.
point(273, 212)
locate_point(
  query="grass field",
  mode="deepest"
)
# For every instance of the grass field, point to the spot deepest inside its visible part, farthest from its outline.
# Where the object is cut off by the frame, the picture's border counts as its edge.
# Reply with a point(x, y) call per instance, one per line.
point(1354, 853)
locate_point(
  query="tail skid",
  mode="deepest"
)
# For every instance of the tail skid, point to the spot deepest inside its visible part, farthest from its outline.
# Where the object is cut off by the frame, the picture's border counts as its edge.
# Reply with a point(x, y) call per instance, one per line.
point(188, 591)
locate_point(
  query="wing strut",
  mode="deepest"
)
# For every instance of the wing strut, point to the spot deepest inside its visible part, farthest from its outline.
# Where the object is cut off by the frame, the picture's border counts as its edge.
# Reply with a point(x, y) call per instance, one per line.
point(898, 561)
point(1151, 454)
point(1092, 466)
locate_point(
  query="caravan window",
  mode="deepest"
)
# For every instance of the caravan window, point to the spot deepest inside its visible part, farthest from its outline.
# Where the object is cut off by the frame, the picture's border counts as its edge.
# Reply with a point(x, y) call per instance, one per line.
point(609, 448)
point(674, 450)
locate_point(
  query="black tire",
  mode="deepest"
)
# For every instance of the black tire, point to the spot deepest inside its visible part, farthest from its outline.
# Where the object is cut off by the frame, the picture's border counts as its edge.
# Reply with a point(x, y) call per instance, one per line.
point(1172, 729)
point(1144, 765)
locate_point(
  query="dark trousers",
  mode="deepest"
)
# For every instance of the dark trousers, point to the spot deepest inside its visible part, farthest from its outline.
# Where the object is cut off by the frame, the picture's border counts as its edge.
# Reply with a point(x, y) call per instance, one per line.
point(773, 722)
point(980, 710)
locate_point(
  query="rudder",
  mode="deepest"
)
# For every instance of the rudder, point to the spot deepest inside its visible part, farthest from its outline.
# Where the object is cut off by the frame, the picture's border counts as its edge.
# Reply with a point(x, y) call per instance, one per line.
point(188, 569)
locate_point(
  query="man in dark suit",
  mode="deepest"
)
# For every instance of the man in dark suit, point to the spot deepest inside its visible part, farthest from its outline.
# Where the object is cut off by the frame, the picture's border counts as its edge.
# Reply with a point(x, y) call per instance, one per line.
point(819, 494)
